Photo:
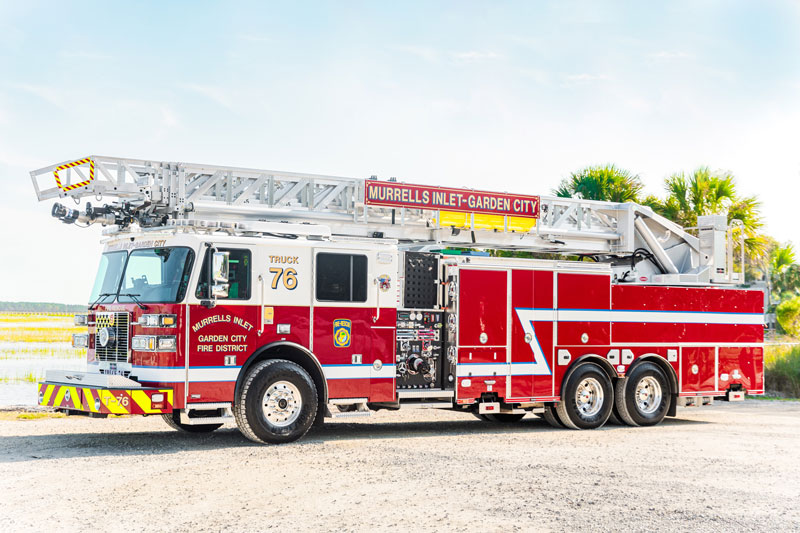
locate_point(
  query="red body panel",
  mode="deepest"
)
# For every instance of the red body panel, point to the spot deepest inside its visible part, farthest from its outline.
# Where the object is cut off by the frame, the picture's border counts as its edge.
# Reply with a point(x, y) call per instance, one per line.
point(526, 316)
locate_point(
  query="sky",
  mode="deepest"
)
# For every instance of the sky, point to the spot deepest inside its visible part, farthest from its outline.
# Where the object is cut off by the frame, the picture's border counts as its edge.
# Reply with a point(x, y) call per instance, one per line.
point(498, 95)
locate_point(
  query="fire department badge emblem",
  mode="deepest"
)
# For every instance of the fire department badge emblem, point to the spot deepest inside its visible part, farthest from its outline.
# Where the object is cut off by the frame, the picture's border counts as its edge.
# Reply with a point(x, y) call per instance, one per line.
point(384, 282)
point(341, 332)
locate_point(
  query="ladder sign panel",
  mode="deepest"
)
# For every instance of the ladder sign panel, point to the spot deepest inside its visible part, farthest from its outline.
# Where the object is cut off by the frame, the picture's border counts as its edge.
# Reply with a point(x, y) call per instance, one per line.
point(394, 194)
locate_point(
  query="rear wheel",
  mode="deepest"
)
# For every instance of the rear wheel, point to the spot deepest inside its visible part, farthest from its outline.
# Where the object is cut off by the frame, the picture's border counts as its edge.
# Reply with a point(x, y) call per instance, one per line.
point(587, 398)
point(173, 420)
point(551, 416)
point(643, 399)
point(278, 402)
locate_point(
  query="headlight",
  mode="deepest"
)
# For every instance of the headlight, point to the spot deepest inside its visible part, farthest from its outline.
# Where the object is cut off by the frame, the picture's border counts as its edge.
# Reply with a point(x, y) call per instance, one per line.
point(158, 321)
point(151, 343)
point(81, 320)
point(167, 344)
point(80, 340)
point(143, 343)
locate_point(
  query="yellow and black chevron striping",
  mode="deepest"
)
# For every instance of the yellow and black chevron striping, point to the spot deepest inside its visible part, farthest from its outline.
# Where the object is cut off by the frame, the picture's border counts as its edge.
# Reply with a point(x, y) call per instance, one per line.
point(105, 401)
point(77, 163)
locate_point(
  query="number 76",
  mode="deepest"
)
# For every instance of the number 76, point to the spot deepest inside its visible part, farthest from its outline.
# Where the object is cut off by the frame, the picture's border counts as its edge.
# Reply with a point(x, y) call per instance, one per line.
point(289, 276)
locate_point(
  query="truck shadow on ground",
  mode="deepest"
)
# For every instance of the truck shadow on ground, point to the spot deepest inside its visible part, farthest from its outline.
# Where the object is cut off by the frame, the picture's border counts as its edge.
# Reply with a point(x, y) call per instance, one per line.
point(23, 448)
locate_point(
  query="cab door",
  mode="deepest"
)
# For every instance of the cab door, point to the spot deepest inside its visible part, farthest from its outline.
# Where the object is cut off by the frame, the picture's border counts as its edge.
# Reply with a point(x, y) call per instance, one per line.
point(354, 318)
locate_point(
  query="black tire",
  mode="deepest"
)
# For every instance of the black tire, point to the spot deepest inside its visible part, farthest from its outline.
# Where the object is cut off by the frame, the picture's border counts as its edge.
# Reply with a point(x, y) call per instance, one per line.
point(293, 406)
point(614, 418)
point(173, 420)
point(551, 417)
point(587, 398)
point(504, 418)
point(649, 382)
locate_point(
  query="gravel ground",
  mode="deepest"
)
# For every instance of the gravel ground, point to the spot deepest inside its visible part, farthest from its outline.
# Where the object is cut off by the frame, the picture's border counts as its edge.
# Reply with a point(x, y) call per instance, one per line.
point(727, 467)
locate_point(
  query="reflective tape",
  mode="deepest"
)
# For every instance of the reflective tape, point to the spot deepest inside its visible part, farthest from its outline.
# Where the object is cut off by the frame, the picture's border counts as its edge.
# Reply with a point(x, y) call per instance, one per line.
point(77, 163)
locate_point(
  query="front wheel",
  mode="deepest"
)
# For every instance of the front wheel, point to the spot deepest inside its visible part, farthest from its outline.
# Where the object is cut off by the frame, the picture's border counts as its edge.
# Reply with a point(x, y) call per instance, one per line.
point(278, 402)
point(643, 399)
point(586, 399)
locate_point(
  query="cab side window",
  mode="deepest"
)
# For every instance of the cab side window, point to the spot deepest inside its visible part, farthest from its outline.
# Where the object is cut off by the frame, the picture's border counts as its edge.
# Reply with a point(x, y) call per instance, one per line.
point(341, 277)
point(239, 278)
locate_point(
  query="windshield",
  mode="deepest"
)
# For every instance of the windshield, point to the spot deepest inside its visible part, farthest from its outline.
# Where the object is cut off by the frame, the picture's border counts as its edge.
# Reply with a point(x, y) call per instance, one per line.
point(108, 275)
point(150, 275)
point(156, 275)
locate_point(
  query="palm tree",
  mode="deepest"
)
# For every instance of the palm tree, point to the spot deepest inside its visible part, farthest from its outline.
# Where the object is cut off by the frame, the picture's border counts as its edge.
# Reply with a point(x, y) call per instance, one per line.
point(601, 182)
point(781, 257)
point(712, 193)
point(783, 271)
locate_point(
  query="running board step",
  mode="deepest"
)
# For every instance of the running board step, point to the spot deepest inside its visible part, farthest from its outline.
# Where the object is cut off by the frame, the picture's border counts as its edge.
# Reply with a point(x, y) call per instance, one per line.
point(352, 414)
point(224, 408)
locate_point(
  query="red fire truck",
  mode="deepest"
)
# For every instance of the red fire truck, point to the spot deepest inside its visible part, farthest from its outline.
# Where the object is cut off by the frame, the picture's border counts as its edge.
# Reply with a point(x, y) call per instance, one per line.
point(278, 299)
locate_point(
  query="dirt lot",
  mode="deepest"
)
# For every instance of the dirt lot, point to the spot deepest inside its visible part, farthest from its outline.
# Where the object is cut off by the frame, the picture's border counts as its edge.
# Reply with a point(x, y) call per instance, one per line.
point(719, 468)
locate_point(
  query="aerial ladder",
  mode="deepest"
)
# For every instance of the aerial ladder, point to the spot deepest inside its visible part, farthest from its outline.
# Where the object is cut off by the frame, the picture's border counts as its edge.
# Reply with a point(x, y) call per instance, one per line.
point(150, 195)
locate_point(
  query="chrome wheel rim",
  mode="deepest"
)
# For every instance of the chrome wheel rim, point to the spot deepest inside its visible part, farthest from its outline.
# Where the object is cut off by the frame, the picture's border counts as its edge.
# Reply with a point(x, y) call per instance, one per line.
point(648, 395)
point(282, 404)
point(589, 397)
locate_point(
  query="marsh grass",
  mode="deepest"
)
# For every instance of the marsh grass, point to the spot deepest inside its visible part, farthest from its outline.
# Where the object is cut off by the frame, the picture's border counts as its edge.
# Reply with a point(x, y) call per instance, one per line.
point(25, 377)
point(39, 352)
point(36, 332)
point(36, 317)
point(26, 336)
point(782, 369)
point(27, 415)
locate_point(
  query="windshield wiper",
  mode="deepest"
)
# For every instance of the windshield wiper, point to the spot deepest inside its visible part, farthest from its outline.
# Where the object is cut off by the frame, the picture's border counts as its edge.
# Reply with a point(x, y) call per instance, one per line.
point(135, 299)
point(104, 295)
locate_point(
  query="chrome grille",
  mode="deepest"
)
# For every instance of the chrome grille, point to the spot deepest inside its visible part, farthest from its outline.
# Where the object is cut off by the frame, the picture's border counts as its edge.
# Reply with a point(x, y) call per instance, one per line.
point(118, 352)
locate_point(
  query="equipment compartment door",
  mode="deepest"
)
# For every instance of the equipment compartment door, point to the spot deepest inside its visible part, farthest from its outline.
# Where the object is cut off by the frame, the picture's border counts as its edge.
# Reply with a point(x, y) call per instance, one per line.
point(532, 317)
point(483, 324)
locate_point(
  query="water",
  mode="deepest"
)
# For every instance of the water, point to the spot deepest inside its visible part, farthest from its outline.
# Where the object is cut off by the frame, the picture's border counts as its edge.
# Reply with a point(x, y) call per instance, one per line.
point(19, 376)
point(30, 346)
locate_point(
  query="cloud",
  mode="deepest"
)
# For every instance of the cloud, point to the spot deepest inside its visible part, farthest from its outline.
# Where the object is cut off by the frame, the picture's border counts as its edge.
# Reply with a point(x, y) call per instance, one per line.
point(585, 78)
point(665, 55)
point(422, 52)
point(51, 95)
point(474, 55)
point(212, 93)
point(168, 117)
point(72, 54)
point(253, 38)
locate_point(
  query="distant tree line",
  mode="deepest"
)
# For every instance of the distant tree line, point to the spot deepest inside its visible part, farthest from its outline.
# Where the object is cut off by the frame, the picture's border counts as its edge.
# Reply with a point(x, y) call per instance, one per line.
point(40, 307)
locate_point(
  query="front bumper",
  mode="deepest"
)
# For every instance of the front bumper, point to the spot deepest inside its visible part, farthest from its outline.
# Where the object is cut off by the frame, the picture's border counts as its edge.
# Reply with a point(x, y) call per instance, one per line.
point(102, 394)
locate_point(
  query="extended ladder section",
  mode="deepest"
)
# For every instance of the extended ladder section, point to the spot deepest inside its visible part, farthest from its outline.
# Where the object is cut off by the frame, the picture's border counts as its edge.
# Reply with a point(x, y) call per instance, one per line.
point(159, 194)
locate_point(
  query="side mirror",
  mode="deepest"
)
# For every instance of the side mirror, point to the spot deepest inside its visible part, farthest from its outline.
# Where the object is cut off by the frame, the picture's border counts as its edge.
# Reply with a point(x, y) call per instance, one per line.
point(218, 278)
point(219, 267)
point(219, 290)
